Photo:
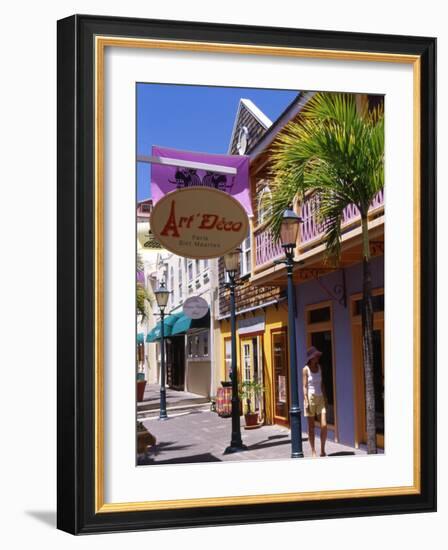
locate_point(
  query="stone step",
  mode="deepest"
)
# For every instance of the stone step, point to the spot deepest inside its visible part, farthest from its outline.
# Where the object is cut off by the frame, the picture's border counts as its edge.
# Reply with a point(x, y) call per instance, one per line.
point(155, 403)
point(175, 409)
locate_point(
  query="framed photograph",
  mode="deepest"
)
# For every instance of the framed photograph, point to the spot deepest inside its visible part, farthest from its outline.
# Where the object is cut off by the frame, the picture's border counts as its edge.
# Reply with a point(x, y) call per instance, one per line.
point(246, 274)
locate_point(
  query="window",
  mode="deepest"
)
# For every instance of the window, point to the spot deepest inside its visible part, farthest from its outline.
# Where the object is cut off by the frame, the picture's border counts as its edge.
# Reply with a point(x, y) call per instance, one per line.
point(205, 344)
point(247, 362)
point(226, 276)
point(245, 260)
point(264, 209)
point(205, 264)
point(197, 345)
point(243, 140)
point(198, 269)
point(190, 269)
point(196, 349)
point(228, 357)
point(146, 207)
point(319, 315)
point(179, 276)
point(172, 285)
point(377, 304)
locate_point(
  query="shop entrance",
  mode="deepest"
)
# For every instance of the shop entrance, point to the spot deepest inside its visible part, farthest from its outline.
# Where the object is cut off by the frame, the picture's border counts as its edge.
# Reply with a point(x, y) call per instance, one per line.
point(319, 328)
point(252, 367)
point(378, 367)
point(279, 342)
point(175, 362)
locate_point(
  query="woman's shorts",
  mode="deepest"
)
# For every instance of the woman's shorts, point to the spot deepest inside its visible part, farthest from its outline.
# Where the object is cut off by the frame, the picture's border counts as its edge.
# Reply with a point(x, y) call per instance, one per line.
point(316, 405)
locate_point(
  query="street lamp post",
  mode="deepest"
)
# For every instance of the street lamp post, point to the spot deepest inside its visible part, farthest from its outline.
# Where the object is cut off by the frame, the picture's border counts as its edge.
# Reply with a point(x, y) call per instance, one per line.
point(162, 295)
point(288, 234)
point(231, 260)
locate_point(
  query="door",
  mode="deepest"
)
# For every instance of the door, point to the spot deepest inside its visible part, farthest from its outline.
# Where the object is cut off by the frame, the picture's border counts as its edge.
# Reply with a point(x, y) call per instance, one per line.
point(319, 333)
point(281, 376)
point(176, 363)
point(251, 368)
point(322, 340)
point(378, 369)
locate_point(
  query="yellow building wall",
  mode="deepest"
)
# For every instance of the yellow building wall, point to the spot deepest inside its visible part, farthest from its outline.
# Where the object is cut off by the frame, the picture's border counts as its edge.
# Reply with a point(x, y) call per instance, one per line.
point(275, 318)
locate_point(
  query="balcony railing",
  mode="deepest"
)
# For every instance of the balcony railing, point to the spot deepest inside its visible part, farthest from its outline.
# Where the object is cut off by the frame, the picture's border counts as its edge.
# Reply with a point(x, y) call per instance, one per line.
point(266, 248)
point(311, 232)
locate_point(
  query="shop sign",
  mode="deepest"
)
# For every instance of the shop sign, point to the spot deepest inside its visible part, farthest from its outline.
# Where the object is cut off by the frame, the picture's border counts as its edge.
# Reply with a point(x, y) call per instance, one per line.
point(195, 307)
point(199, 222)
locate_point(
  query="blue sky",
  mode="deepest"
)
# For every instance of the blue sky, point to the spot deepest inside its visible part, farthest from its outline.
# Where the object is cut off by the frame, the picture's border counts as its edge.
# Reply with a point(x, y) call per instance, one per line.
point(195, 118)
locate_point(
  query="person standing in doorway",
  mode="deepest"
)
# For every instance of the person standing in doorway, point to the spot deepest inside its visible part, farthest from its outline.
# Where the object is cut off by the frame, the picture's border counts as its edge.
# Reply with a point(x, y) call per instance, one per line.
point(314, 399)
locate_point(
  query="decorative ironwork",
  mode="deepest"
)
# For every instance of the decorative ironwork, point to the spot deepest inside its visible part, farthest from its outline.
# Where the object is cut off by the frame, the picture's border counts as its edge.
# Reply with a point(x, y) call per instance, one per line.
point(188, 177)
point(339, 291)
point(376, 248)
point(307, 273)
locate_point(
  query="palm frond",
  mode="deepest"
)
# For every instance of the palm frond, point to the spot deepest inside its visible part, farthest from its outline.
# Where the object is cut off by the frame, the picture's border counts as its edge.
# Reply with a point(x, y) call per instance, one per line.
point(142, 297)
point(330, 213)
point(336, 150)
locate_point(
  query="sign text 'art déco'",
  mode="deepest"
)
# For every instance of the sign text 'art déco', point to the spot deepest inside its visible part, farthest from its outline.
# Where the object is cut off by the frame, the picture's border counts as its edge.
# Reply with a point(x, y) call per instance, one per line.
point(199, 222)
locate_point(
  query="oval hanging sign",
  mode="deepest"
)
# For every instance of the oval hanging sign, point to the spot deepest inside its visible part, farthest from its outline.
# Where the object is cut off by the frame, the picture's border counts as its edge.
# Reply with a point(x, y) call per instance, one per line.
point(195, 307)
point(199, 222)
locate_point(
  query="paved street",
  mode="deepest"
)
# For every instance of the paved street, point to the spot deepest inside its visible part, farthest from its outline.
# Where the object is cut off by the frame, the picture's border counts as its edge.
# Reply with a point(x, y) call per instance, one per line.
point(198, 435)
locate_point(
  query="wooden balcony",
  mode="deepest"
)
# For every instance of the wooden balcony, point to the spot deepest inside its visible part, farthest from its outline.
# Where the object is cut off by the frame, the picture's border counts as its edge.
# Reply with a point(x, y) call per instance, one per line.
point(267, 249)
point(311, 232)
point(310, 240)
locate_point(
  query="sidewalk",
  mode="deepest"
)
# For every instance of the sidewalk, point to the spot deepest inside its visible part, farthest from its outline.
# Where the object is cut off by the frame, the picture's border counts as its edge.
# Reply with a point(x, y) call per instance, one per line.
point(202, 436)
point(175, 401)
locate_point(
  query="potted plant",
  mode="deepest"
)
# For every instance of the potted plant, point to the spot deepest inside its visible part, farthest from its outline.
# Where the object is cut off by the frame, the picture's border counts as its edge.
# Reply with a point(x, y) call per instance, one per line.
point(141, 383)
point(250, 392)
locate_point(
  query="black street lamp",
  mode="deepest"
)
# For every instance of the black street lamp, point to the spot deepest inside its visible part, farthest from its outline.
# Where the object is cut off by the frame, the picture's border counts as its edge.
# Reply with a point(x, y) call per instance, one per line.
point(162, 295)
point(231, 261)
point(288, 235)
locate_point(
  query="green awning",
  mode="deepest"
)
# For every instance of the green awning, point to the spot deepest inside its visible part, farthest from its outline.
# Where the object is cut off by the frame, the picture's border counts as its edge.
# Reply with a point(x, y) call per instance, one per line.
point(140, 338)
point(168, 323)
point(184, 323)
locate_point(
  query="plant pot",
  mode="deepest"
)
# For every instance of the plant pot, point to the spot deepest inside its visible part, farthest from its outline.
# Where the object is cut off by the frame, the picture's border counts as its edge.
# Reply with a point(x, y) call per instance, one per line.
point(251, 419)
point(141, 384)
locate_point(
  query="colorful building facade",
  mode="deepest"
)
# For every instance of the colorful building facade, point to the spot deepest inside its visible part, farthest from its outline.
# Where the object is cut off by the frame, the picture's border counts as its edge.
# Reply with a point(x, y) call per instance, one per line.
point(327, 307)
point(188, 343)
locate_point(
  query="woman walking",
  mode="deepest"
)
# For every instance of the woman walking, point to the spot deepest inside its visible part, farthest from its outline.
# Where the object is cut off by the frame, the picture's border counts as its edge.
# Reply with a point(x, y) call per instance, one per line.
point(314, 399)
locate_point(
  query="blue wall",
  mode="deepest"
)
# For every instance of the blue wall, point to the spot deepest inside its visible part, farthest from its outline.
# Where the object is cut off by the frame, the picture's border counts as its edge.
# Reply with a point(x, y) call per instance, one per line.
point(310, 293)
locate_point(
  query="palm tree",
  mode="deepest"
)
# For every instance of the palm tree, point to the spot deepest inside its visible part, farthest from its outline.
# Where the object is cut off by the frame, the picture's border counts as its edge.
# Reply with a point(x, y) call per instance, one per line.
point(142, 297)
point(336, 150)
